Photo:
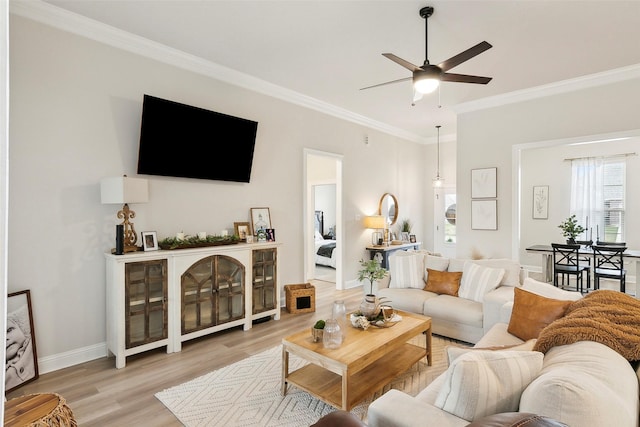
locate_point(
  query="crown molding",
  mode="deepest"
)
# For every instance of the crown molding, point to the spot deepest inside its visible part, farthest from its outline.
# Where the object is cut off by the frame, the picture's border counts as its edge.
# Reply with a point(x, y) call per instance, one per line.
point(556, 88)
point(65, 20)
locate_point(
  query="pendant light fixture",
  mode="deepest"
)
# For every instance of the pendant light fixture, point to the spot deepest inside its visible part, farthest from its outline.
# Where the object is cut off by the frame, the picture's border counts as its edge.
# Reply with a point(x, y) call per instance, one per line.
point(438, 181)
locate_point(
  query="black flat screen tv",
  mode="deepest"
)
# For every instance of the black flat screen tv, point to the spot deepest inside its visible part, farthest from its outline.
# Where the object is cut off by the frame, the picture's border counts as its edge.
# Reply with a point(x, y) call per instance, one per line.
point(180, 140)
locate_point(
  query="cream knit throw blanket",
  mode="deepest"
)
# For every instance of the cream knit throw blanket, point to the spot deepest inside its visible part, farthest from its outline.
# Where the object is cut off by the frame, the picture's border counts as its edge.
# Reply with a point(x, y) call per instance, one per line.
point(604, 316)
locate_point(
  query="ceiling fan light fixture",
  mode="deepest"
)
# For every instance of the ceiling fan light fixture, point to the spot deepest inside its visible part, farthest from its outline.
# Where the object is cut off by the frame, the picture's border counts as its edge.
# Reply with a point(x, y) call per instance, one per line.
point(426, 85)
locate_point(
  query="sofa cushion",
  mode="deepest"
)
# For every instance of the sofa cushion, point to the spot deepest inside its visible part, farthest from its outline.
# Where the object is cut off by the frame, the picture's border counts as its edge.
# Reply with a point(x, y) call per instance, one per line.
point(443, 282)
point(412, 300)
point(477, 280)
point(481, 383)
point(549, 291)
point(584, 384)
point(454, 352)
point(511, 269)
point(531, 313)
point(406, 270)
point(434, 263)
point(516, 419)
point(453, 310)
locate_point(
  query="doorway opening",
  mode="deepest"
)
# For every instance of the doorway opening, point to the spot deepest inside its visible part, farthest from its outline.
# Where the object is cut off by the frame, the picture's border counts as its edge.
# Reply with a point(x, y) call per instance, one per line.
point(324, 233)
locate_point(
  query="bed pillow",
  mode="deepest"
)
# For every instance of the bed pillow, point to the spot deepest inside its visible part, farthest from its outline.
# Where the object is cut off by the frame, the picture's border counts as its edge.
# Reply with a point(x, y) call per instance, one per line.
point(318, 236)
point(532, 313)
point(477, 280)
point(406, 270)
point(443, 282)
point(481, 383)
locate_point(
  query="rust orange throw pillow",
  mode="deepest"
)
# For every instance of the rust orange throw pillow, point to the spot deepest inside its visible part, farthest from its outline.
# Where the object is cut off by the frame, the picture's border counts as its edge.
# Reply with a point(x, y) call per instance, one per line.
point(532, 313)
point(443, 282)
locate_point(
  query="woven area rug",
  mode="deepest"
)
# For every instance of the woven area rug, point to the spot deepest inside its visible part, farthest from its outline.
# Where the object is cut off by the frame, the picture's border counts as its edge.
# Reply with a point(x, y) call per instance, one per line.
point(247, 393)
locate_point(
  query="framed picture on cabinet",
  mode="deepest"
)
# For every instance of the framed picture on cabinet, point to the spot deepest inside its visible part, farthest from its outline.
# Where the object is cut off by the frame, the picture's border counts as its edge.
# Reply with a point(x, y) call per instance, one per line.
point(412, 238)
point(242, 230)
point(149, 241)
point(21, 361)
point(271, 235)
point(484, 183)
point(260, 219)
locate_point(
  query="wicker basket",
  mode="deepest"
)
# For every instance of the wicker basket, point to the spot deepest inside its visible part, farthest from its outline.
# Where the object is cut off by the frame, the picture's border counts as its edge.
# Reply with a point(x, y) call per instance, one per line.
point(300, 298)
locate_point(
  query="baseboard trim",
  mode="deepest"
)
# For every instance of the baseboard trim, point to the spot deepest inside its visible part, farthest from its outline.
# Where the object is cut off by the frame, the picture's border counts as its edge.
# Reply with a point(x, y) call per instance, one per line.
point(71, 358)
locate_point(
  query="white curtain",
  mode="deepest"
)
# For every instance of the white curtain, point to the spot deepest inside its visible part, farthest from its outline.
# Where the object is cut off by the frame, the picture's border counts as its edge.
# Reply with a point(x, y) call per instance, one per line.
point(587, 198)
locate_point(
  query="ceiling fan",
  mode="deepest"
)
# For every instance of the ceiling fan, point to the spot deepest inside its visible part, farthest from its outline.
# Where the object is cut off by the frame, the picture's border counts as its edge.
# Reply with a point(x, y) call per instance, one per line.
point(427, 77)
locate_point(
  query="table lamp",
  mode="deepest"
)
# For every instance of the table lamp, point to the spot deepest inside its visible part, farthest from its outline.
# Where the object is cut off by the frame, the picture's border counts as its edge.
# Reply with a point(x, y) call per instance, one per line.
point(376, 222)
point(125, 190)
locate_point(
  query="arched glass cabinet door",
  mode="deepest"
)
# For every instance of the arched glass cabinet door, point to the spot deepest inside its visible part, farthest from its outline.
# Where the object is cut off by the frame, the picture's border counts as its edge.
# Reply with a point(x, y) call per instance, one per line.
point(388, 208)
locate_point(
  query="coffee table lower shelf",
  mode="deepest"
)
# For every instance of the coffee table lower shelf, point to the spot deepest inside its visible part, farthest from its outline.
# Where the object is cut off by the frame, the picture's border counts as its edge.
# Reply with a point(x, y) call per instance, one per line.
point(327, 386)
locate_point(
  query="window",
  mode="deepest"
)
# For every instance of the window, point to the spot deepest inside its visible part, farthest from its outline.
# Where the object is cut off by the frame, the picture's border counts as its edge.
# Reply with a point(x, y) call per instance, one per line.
point(598, 197)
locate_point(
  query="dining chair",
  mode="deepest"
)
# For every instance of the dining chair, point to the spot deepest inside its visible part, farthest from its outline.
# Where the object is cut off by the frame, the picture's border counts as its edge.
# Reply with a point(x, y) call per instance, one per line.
point(567, 263)
point(599, 243)
point(608, 263)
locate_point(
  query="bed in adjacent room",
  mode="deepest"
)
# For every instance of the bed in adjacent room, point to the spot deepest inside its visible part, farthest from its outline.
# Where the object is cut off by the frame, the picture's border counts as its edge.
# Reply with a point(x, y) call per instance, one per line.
point(325, 248)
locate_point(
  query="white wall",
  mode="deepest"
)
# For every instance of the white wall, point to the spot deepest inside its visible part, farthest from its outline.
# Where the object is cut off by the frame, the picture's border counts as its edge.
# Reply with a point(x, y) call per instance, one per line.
point(486, 138)
point(74, 119)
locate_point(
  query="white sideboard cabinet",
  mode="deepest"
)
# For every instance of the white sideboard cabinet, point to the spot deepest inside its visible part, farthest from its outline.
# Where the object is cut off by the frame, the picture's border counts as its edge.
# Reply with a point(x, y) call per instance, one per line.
point(163, 298)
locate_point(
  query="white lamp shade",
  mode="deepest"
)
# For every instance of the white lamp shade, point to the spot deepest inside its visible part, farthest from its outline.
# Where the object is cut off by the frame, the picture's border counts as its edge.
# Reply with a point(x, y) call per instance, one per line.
point(123, 189)
point(374, 221)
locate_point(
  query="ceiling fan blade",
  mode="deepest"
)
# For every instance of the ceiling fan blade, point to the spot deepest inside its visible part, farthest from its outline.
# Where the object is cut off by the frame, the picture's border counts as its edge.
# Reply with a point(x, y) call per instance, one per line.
point(406, 64)
point(387, 83)
point(463, 78)
point(464, 56)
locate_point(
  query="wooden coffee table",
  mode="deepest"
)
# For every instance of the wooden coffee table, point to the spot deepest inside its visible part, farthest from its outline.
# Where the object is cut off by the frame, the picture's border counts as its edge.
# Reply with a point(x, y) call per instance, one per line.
point(364, 363)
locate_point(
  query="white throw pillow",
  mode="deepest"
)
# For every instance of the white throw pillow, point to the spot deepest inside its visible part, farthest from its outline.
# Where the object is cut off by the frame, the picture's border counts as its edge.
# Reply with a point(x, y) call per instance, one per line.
point(406, 269)
point(485, 382)
point(478, 280)
point(549, 291)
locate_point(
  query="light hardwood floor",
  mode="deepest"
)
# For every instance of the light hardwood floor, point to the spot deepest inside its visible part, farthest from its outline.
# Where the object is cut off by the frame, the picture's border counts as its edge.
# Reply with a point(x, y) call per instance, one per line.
point(101, 395)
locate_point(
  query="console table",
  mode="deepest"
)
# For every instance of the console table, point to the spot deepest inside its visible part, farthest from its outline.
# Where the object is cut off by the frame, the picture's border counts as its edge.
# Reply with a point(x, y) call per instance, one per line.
point(165, 297)
point(385, 251)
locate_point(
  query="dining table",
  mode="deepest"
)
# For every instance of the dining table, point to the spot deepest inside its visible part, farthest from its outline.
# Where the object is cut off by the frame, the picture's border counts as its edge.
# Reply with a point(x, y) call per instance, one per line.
point(546, 251)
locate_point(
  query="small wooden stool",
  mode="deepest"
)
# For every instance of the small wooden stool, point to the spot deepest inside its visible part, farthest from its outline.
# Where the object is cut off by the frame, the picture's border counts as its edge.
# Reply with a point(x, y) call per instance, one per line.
point(38, 410)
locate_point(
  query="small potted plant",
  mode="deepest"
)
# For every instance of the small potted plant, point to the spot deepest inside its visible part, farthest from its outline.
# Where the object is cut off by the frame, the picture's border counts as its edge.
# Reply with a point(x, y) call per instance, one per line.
point(571, 229)
point(372, 271)
point(318, 330)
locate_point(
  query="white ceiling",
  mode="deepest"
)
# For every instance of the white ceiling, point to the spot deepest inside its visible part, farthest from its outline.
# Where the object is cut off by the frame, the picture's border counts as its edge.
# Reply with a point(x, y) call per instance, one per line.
point(328, 50)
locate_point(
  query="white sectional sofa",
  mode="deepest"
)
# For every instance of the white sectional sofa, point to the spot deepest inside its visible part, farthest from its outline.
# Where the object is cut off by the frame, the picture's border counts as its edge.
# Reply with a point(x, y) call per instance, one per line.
point(465, 313)
point(584, 383)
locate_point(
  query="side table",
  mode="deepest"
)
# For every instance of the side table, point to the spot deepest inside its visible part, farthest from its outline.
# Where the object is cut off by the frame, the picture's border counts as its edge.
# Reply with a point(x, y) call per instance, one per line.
point(385, 251)
point(40, 409)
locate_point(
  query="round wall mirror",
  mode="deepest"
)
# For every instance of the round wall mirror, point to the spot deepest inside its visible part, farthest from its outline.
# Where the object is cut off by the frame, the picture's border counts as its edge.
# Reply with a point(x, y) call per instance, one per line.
point(388, 208)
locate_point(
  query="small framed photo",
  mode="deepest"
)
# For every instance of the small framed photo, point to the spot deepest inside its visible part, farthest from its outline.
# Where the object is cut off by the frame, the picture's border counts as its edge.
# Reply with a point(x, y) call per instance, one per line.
point(484, 183)
point(405, 236)
point(260, 219)
point(242, 230)
point(412, 238)
point(149, 241)
point(21, 361)
point(271, 235)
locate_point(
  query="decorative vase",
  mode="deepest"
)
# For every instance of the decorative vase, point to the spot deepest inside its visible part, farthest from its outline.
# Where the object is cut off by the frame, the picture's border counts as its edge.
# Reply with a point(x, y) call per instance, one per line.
point(369, 306)
point(339, 312)
point(332, 336)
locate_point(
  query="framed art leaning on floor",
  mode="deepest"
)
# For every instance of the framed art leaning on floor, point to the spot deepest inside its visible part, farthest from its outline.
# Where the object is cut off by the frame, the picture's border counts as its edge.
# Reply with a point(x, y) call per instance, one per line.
point(21, 362)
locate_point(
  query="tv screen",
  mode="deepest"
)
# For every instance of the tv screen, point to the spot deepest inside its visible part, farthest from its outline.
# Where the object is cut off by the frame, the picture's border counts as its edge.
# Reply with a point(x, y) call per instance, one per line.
point(184, 141)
